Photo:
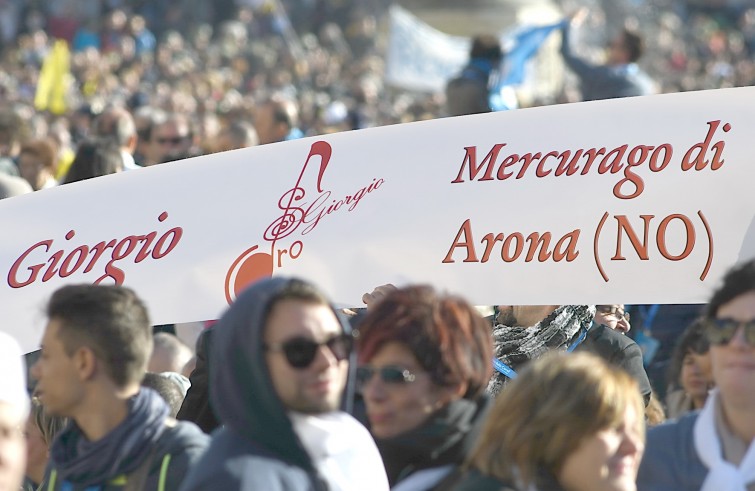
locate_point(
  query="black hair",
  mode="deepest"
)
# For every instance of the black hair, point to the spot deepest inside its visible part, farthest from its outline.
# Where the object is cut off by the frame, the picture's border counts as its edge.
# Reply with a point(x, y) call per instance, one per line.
point(738, 280)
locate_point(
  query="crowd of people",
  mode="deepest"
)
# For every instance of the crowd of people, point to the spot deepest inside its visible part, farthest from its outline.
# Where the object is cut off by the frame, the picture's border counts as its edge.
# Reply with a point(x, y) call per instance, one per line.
point(417, 391)
point(287, 392)
point(200, 77)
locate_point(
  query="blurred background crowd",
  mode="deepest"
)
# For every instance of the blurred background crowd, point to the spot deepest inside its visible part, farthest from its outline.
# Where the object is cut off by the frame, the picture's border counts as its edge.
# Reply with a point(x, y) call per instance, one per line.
point(213, 65)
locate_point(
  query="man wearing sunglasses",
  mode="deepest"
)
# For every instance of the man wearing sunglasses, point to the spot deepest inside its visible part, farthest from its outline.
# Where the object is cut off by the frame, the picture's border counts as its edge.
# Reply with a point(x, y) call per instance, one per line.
point(714, 449)
point(279, 381)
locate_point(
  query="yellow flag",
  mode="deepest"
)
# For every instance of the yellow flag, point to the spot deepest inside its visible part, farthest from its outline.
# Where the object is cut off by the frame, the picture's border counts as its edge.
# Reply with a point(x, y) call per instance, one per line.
point(52, 85)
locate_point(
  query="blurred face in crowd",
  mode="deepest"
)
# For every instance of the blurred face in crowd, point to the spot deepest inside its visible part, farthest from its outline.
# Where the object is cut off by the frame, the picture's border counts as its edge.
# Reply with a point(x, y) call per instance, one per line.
point(33, 170)
point(617, 51)
point(733, 363)
point(58, 385)
point(12, 447)
point(607, 460)
point(316, 387)
point(398, 393)
point(268, 130)
point(169, 139)
point(613, 316)
point(695, 377)
point(36, 451)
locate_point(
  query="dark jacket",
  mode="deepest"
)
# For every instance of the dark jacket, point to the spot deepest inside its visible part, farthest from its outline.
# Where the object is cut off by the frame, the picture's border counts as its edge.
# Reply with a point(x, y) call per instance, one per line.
point(670, 460)
point(444, 440)
point(468, 92)
point(474, 480)
point(196, 406)
point(619, 350)
point(257, 448)
point(176, 451)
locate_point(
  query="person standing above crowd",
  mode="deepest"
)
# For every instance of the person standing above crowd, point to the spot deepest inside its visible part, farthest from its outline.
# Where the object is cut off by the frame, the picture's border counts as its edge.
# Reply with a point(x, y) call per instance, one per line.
point(280, 359)
point(425, 361)
point(714, 449)
point(568, 422)
point(94, 354)
point(620, 76)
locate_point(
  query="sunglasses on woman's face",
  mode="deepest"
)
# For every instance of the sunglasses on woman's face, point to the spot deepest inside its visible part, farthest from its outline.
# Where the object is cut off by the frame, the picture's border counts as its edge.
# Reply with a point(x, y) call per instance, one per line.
point(388, 374)
point(300, 352)
point(722, 331)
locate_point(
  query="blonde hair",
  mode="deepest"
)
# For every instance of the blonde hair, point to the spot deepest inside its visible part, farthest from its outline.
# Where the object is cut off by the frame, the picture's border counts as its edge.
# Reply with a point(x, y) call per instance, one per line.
point(548, 410)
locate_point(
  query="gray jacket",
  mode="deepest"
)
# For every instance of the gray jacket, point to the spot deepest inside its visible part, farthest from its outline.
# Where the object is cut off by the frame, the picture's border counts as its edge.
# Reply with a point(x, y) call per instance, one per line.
point(670, 461)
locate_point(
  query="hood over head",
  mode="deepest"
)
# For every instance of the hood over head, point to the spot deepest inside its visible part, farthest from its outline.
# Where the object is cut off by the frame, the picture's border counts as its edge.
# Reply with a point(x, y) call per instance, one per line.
point(241, 392)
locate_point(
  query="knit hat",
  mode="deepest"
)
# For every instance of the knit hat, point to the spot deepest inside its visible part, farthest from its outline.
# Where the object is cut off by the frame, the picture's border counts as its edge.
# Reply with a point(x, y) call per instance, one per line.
point(13, 379)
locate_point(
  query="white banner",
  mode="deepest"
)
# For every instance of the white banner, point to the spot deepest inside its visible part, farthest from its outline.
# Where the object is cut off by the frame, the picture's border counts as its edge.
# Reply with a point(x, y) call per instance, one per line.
point(641, 200)
point(419, 56)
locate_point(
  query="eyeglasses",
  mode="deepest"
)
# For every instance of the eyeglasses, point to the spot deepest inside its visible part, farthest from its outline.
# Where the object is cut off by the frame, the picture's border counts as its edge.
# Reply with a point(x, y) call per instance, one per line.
point(722, 331)
point(388, 374)
point(301, 352)
point(173, 140)
point(615, 311)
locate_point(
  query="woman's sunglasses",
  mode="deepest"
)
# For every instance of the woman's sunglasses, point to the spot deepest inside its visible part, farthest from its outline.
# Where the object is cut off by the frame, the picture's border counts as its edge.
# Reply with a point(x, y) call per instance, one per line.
point(388, 374)
point(301, 352)
point(721, 331)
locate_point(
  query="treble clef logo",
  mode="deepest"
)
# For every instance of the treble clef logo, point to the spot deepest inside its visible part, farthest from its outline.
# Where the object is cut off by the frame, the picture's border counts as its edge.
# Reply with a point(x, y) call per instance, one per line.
point(292, 215)
point(253, 263)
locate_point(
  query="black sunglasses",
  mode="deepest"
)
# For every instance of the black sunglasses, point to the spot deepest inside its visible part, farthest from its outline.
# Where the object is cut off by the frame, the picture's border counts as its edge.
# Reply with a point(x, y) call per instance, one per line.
point(301, 352)
point(722, 331)
point(388, 374)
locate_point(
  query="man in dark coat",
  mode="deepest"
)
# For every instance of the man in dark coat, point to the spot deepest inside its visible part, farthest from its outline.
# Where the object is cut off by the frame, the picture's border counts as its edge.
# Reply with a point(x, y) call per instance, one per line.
point(619, 77)
point(279, 374)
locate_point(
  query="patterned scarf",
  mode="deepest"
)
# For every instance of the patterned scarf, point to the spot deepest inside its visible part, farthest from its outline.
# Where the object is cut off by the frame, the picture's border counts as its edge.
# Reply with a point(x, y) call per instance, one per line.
point(515, 346)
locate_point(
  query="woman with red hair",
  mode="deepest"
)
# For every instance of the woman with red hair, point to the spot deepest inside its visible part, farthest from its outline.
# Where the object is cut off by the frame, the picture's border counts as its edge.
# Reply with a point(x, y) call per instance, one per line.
point(424, 364)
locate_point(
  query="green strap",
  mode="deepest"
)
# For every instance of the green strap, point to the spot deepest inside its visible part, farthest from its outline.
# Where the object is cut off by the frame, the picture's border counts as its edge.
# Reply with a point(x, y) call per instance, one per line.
point(160, 486)
point(163, 472)
point(53, 477)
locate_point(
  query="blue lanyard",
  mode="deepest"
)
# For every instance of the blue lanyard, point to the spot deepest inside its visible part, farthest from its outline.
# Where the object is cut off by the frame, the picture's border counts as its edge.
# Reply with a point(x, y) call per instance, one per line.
point(509, 372)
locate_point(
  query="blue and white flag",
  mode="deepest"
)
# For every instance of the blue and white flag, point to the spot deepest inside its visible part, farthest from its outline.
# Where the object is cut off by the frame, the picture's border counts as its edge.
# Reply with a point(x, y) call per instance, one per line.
point(422, 58)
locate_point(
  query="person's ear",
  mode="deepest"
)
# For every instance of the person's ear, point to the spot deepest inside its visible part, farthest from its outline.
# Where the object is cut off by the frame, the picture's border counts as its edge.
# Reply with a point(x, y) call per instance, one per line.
point(451, 393)
point(85, 362)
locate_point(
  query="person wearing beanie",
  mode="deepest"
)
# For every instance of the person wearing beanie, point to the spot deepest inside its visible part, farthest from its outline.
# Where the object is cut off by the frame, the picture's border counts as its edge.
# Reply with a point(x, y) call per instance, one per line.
point(14, 409)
